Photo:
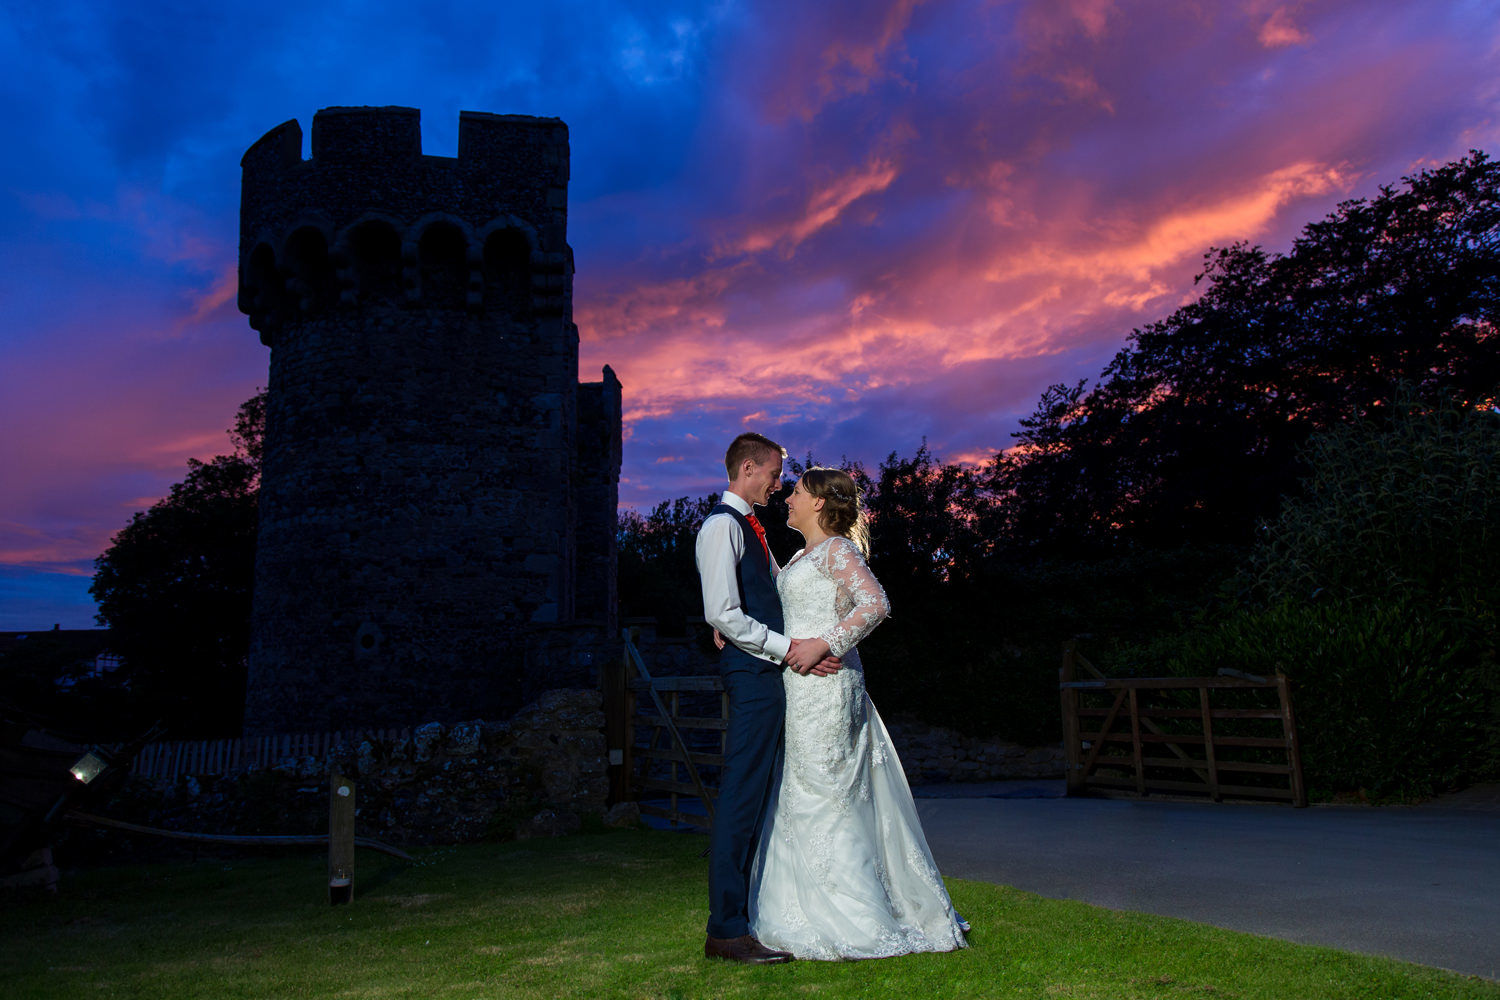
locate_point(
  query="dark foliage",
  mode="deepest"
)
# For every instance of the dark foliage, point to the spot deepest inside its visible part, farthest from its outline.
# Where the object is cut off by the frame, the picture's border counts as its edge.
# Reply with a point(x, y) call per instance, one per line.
point(51, 681)
point(1193, 431)
point(656, 556)
point(174, 588)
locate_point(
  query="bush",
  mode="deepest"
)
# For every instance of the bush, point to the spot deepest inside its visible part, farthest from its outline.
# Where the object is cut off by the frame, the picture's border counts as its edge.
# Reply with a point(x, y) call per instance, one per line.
point(1374, 591)
point(1397, 502)
point(981, 655)
point(1390, 696)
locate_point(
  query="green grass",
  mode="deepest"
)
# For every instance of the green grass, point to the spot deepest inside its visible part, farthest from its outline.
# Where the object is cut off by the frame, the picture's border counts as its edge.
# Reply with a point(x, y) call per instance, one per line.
point(603, 915)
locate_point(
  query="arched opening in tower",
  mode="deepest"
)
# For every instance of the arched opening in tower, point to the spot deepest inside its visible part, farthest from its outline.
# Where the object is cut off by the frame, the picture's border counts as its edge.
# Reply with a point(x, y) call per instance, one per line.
point(263, 283)
point(375, 249)
point(507, 274)
point(443, 256)
point(310, 270)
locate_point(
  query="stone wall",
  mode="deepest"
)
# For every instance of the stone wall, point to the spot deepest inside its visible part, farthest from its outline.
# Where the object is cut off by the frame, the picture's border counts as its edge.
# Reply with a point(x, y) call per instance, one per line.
point(934, 755)
point(540, 773)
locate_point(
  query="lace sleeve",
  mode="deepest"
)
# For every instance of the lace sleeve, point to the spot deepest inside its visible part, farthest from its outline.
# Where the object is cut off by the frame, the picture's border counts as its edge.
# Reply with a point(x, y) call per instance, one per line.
point(846, 567)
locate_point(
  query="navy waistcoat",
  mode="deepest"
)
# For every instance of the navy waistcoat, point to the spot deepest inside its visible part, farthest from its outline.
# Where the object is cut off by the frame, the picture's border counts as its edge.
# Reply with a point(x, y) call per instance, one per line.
point(758, 595)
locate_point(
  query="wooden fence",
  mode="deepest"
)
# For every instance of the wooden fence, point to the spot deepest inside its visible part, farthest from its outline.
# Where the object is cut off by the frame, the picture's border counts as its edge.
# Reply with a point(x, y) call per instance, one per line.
point(170, 760)
point(1240, 728)
point(668, 745)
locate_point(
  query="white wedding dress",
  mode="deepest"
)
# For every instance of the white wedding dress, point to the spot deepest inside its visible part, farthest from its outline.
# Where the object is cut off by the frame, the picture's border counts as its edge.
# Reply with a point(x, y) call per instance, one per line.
point(843, 870)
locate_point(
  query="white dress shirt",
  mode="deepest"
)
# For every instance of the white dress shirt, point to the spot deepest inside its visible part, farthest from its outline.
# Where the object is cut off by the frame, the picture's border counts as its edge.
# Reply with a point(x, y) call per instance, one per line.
point(721, 544)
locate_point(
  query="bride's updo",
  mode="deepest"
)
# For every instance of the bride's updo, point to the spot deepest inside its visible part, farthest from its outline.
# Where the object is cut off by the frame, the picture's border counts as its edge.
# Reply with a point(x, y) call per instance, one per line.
point(842, 513)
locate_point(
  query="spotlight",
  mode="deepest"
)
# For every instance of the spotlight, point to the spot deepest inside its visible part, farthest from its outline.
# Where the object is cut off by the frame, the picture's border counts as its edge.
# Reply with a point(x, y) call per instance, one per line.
point(92, 764)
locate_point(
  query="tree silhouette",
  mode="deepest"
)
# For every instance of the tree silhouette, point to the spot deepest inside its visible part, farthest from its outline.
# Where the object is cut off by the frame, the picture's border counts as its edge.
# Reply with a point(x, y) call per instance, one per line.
point(174, 588)
point(1192, 432)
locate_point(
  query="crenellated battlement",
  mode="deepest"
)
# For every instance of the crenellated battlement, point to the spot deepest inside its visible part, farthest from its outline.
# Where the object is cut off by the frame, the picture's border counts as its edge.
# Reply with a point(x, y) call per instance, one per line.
point(369, 218)
point(367, 135)
point(387, 137)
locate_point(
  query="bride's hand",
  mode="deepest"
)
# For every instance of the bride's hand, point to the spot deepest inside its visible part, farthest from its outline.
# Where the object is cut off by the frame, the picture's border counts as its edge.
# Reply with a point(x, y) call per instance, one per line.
point(718, 639)
point(806, 654)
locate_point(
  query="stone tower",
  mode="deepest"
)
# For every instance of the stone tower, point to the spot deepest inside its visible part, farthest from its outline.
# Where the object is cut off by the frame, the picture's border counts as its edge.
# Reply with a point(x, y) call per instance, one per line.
point(438, 493)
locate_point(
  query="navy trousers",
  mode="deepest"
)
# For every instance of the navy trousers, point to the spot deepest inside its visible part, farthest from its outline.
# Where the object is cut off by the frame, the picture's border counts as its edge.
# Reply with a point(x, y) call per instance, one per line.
point(752, 765)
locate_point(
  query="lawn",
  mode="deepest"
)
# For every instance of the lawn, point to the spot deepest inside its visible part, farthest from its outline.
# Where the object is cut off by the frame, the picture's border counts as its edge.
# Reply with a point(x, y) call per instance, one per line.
point(615, 914)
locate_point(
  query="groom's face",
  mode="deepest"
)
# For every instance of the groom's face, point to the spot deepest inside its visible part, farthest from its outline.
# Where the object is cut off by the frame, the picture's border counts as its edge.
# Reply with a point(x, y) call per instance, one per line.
point(763, 482)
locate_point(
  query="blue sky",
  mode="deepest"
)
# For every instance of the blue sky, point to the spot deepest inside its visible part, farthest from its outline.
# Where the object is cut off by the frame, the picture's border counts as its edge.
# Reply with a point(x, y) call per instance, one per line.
point(848, 225)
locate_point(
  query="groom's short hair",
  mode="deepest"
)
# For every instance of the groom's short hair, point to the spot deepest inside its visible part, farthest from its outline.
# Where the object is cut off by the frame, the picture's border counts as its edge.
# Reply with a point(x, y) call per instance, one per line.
point(756, 447)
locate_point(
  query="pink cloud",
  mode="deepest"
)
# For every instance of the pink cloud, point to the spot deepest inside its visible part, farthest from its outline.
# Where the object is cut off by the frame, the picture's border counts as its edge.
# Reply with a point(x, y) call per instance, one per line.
point(216, 299)
point(105, 428)
point(1280, 30)
point(1048, 23)
point(70, 553)
point(823, 208)
point(826, 52)
point(852, 62)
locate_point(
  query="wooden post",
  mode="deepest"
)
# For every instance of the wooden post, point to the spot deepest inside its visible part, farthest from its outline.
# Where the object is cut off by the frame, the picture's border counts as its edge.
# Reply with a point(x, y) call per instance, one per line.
point(340, 840)
point(616, 726)
point(1072, 742)
point(1135, 737)
point(1293, 748)
point(682, 748)
point(1208, 743)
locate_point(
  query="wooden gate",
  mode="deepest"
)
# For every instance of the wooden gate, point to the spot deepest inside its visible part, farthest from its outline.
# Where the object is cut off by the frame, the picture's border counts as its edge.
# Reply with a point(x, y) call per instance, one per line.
point(668, 743)
point(1118, 730)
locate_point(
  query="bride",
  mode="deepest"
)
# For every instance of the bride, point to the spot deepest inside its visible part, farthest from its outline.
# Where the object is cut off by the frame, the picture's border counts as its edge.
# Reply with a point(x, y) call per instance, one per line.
point(843, 869)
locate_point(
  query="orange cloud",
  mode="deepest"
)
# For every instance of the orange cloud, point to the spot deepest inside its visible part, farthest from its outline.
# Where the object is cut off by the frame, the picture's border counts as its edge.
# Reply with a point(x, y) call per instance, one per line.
point(223, 291)
point(973, 457)
point(1182, 233)
point(1279, 30)
point(1080, 85)
point(823, 209)
point(1046, 23)
point(862, 43)
point(71, 553)
point(683, 304)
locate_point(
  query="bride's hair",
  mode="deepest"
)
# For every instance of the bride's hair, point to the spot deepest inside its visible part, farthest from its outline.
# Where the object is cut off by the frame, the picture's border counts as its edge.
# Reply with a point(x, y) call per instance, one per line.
point(842, 513)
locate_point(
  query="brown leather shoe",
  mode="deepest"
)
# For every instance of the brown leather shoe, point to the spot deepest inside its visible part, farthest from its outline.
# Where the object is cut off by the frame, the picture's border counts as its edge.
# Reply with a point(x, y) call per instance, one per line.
point(743, 949)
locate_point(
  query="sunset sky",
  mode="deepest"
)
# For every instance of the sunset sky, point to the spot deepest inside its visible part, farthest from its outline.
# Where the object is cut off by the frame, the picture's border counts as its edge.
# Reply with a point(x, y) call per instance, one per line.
point(846, 225)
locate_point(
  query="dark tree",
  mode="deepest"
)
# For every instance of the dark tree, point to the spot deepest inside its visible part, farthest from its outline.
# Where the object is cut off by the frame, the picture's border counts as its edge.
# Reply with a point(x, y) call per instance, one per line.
point(174, 588)
point(658, 571)
point(926, 520)
point(1193, 431)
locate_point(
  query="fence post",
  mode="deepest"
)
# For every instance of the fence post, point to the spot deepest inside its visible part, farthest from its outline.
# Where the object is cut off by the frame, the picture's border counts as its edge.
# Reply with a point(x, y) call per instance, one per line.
point(1135, 740)
point(1208, 743)
point(340, 840)
point(1293, 747)
point(616, 726)
point(1072, 741)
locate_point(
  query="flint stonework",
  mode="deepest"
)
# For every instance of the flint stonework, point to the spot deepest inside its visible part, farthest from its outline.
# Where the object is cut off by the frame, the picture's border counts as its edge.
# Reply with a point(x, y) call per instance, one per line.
point(438, 490)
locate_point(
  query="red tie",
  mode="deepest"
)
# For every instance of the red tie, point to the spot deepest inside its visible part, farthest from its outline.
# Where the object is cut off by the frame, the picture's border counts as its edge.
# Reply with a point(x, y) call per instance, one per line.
point(759, 533)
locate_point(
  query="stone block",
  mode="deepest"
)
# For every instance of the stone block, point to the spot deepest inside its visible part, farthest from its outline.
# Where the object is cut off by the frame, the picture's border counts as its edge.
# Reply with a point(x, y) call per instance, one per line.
point(464, 738)
point(623, 815)
point(424, 739)
point(549, 823)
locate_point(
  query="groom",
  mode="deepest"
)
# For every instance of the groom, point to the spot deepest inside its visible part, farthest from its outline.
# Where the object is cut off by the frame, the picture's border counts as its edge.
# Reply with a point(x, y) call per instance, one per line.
point(737, 573)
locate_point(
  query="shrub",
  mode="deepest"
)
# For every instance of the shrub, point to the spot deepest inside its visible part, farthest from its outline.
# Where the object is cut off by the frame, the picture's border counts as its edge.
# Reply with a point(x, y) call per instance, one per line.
point(1374, 590)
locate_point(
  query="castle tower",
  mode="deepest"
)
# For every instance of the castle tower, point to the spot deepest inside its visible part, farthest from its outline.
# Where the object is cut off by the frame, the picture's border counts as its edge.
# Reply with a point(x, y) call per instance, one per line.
point(426, 476)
